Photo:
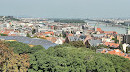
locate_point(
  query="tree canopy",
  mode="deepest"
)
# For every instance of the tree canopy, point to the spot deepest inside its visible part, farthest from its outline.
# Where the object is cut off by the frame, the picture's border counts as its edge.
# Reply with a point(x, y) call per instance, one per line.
point(62, 58)
point(69, 21)
point(21, 48)
point(3, 34)
point(66, 58)
point(11, 62)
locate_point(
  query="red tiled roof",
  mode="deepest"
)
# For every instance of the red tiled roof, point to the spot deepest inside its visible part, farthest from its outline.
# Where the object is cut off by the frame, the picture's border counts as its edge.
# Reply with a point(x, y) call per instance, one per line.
point(99, 29)
point(70, 34)
point(12, 35)
point(107, 32)
point(117, 52)
point(111, 44)
point(6, 32)
point(52, 39)
point(49, 33)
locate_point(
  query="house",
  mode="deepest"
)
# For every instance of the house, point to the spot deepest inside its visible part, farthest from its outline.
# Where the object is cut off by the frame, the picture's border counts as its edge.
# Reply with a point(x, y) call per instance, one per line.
point(12, 35)
point(82, 37)
point(98, 35)
point(6, 32)
point(89, 31)
point(116, 52)
point(70, 34)
point(52, 39)
point(106, 32)
point(75, 38)
point(107, 40)
point(59, 41)
point(111, 44)
point(71, 38)
point(50, 33)
point(99, 29)
point(111, 36)
point(78, 33)
point(95, 42)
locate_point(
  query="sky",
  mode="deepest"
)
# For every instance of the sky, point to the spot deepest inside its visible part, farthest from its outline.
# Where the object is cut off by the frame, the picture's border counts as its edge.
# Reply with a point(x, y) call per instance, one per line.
point(66, 8)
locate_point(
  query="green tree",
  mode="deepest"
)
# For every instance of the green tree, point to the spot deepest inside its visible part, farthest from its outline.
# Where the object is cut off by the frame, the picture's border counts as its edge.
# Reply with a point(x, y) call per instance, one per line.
point(77, 44)
point(21, 48)
point(3, 34)
point(67, 58)
point(11, 62)
point(28, 35)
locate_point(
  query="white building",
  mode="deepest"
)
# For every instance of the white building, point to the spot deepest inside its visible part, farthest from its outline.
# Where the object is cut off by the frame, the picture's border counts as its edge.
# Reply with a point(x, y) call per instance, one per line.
point(59, 41)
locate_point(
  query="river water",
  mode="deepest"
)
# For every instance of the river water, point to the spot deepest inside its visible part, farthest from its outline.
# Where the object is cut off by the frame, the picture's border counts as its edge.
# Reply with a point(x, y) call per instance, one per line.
point(104, 27)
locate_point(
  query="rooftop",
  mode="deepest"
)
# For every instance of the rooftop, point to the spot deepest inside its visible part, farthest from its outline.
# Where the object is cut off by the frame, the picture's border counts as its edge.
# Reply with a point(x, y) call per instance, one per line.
point(33, 41)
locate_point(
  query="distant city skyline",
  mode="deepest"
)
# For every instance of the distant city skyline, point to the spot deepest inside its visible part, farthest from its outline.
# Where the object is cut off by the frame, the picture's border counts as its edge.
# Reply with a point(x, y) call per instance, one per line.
point(66, 8)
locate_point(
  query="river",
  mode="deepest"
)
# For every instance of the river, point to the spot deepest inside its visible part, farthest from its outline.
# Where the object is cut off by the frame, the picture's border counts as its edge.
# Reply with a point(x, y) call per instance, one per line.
point(105, 27)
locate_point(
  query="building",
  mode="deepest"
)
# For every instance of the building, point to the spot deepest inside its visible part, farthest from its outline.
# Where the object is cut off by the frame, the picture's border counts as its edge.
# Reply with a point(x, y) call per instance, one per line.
point(126, 39)
point(111, 44)
point(128, 30)
point(116, 52)
point(59, 41)
point(94, 42)
point(30, 41)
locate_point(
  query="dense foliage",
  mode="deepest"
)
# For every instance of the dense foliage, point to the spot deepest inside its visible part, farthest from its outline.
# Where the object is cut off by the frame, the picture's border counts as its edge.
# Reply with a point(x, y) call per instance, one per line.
point(70, 21)
point(10, 62)
point(70, 58)
point(66, 58)
point(77, 44)
point(21, 48)
point(3, 34)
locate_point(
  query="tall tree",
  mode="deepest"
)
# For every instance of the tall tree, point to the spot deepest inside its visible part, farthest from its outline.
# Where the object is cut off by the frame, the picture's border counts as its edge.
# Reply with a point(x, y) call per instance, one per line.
point(10, 62)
